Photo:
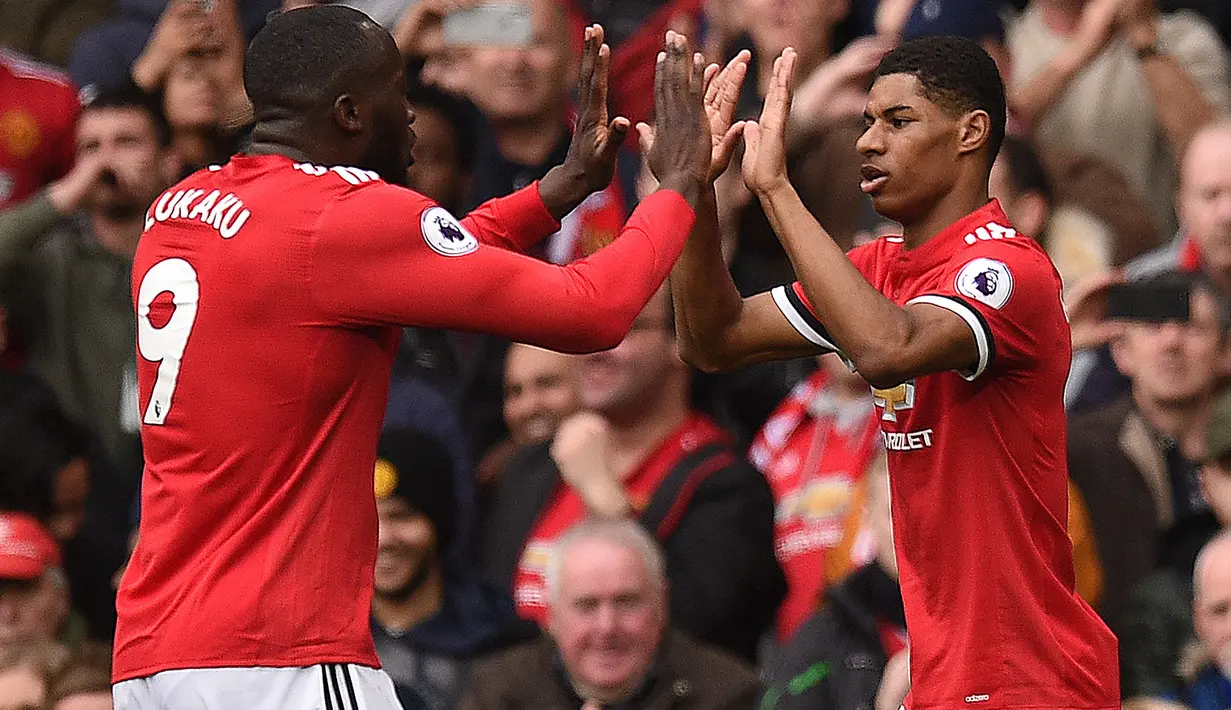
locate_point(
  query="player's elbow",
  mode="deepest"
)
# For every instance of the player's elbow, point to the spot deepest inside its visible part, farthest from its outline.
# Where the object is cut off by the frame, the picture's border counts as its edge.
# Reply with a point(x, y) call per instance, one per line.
point(882, 370)
point(709, 358)
point(597, 334)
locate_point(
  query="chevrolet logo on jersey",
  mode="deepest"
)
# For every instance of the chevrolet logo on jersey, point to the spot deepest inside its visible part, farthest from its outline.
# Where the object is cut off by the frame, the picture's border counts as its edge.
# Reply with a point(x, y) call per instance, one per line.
point(894, 399)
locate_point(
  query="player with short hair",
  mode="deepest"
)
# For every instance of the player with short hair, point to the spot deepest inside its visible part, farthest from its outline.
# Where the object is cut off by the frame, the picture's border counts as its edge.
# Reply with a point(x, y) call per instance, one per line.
point(269, 295)
point(959, 327)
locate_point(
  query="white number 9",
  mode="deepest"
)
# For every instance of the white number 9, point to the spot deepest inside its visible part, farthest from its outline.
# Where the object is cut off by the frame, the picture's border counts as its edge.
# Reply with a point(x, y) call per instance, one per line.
point(165, 345)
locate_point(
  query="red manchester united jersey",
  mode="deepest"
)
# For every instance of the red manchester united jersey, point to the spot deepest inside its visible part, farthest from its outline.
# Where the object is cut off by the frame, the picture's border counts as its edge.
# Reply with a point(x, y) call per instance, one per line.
point(265, 293)
point(979, 479)
point(38, 114)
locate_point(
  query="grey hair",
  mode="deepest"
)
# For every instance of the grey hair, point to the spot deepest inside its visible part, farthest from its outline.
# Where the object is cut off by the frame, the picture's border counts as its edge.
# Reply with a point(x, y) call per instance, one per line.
point(625, 533)
point(1222, 539)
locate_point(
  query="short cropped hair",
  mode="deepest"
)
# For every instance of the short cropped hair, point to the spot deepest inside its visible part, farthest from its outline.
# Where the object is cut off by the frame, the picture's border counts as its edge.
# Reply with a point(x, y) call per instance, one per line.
point(626, 533)
point(304, 58)
point(958, 75)
point(129, 96)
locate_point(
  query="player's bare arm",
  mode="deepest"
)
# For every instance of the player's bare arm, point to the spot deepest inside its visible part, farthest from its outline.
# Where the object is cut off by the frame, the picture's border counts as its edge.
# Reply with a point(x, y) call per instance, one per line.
point(590, 164)
point(716, 327)
point(887, 343)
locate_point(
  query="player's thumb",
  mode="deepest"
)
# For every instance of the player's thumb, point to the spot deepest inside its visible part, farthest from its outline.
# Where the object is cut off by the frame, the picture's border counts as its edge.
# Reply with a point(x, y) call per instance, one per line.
point(616, 133)
point(645, 137)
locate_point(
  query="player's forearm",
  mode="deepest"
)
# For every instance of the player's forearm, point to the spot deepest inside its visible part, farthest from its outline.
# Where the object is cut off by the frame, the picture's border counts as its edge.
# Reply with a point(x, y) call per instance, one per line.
point(1181, 107)
point(871, 330)
point(563, 188)
point(515, 222)
point(705, 298)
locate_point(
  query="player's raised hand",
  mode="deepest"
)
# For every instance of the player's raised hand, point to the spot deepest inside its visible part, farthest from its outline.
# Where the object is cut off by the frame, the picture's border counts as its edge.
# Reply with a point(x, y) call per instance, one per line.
point(681, 145)
point(596, 137)
point(765, 140)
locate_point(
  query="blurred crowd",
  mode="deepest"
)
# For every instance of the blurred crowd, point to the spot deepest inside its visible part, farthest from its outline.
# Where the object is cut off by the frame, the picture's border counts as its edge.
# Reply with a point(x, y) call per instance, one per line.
point(618, 530)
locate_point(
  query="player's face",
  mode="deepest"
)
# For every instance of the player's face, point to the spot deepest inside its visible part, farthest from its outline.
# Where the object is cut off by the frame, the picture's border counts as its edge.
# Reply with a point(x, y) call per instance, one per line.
point(389, 150)
point(1205, 199)
point(525, 83)
point(1212, 606)
point(437, 171)
point(407, 548)
point(909, 149)
point(608, 617)
point(1174, 363)
point(126, 141)
point(540, 389)
point(620, 383)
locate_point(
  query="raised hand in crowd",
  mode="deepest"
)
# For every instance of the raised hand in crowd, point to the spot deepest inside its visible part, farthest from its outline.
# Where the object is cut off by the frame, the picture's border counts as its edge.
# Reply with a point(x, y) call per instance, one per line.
point(1086, 305)
point(185, 27)
point(579, 450)
point(420, 31)
point(597, 137)
point(69, 193)
point(838, 88)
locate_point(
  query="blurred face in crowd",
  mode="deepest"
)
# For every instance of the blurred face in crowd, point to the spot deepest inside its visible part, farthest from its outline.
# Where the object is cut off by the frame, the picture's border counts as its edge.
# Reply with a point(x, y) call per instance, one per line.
point(1027, 211)
point(407, 552)
point(21, 688)
point(136, 168)
point(72, 487)
point(1174, 363)
point(1205, 199)
point(909, 160)
point(625, 382)
point(437, 171)
point(607, 618)
point(1216, 488)
point(1212, 601)
point(530, 83)
point(775, 25)
point(391, 139)
point(191, 98)
point(85, 701)
point(541, 389)
point(33, 609)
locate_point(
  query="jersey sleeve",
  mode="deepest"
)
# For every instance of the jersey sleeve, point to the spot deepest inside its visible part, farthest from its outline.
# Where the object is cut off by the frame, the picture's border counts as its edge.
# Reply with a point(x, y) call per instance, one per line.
point(514, 222)
point(1008, 292)
point(794, 304)
point(432, 271)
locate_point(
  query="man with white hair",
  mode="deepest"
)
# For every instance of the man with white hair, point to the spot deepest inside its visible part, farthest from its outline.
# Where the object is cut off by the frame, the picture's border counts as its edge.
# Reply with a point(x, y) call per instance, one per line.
point(1210, 689)
point(608, 641)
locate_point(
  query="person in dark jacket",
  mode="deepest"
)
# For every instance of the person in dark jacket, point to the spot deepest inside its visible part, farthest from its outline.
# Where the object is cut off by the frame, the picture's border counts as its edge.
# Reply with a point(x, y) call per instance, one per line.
point(851, 653)
point(609, 643)
point(640, 451)
point(430, 615)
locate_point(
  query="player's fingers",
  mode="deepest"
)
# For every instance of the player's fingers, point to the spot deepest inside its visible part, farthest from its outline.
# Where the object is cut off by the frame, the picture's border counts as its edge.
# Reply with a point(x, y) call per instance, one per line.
point(696, 84)
point(601, 73)
point(616, 132)
point(645, 137)
point(726, 147)
point(711, 87)
point(585, 84)
point(660, 82)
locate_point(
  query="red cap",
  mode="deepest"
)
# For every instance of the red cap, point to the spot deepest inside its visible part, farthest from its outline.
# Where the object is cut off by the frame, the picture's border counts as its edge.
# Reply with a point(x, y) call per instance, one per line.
point(27, 550)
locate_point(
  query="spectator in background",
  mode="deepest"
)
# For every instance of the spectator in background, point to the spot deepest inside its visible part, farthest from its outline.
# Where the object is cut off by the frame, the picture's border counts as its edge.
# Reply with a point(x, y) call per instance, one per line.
point(194, 102)
point(26, 670)
point(1136, 460)
point(839, 658)
point(430, 616)
point(444, 147)
point(1153, 659)
point(1211, 688)
point(145, 38)
point(1081, 69)
point(541, 389)
point(34, 599)
point(84, 683)
point(814, 450)
point(609, 643)
point(1203, 206)
point(641, 451)
point(67, 258)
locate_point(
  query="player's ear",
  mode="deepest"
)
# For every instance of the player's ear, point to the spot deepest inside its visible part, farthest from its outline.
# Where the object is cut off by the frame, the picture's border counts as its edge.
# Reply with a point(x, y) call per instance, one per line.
point(974, 132)
point(346, 114)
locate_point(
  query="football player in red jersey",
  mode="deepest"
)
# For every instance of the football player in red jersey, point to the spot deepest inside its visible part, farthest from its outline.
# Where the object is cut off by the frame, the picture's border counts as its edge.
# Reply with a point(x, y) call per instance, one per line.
point(270, 292)
point(959, 327)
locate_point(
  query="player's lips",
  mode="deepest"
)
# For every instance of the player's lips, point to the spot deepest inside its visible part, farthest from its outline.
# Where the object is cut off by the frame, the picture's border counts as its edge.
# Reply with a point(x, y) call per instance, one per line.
point(873, 178)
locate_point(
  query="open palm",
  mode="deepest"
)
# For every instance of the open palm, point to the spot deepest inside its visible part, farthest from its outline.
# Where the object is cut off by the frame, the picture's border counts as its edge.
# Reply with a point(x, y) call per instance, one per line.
point(764, 163)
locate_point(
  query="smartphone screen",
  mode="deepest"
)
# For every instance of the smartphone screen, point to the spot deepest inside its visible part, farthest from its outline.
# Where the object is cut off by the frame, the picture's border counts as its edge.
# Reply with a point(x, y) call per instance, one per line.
point(490, 24)
point(1148, 302)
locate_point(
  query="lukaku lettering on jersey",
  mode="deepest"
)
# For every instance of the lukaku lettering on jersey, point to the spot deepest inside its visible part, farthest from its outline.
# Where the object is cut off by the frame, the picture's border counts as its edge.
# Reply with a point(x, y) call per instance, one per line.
point(979, 478)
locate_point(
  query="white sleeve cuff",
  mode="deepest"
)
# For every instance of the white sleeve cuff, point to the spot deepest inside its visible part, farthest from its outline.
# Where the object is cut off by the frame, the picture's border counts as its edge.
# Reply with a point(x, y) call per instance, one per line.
point(800, 318)
point(978, 326)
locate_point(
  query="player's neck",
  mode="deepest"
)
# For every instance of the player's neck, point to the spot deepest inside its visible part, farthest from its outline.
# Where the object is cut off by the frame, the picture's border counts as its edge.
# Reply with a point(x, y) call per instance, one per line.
point(950, 208)
point(528, 142)
point(1182, 422)
point(290, 139)
point(632, 440)
point(405, 614)
point(118, 236)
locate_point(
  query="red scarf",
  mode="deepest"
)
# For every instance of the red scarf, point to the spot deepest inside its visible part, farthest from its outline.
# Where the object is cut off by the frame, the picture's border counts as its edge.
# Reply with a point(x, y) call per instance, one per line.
point(813, 450)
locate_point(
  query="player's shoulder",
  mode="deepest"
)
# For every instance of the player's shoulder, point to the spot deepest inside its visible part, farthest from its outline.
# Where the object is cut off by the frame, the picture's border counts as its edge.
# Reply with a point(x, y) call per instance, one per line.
point(1000, 241)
